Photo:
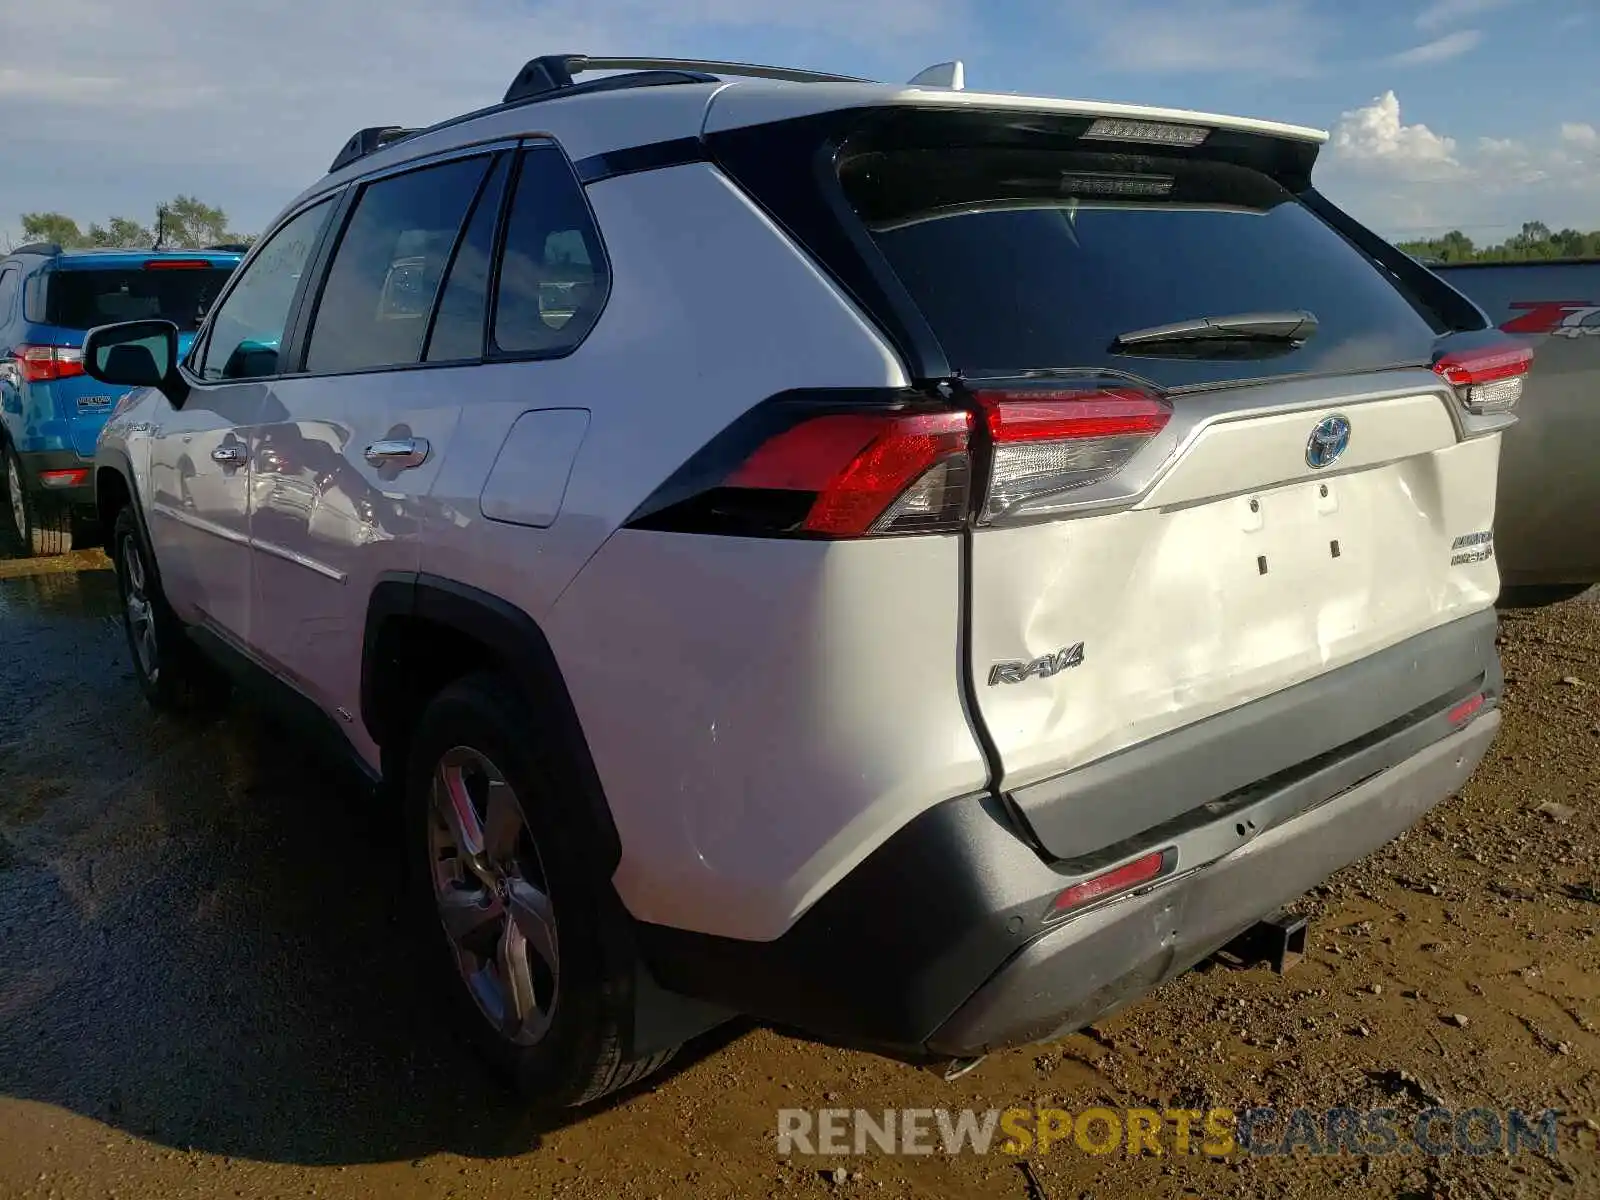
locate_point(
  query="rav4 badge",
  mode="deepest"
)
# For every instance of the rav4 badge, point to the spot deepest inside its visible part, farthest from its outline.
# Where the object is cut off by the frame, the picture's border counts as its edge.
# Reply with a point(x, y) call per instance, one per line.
point(1041, 668)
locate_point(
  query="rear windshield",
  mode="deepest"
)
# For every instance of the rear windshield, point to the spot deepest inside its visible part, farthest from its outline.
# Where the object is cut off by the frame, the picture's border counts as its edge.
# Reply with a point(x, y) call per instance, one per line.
point(79, 299)
point(1031, 260)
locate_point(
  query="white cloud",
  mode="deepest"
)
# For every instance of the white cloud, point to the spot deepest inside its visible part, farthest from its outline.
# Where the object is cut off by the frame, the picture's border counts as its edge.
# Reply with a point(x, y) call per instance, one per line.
point(19, 84)
point(1446, 12)
point(1374, 137)
point(1441, 49)
point(1411, 180)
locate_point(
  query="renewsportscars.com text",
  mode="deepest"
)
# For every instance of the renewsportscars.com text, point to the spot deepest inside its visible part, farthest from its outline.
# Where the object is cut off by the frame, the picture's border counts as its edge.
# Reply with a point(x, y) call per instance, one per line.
point(1216, 1132)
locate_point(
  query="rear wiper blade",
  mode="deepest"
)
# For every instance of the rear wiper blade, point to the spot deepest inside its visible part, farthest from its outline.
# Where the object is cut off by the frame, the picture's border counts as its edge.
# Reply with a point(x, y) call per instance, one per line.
point(1290, 327)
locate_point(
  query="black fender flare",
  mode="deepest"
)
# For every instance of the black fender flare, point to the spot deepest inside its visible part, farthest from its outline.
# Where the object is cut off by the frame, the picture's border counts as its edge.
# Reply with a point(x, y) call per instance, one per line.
point(117, 462)
point(517, 642)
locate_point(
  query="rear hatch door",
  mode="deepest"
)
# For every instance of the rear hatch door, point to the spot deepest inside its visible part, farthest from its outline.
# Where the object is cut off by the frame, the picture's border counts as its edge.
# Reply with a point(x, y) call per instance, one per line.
point(1221, 464)
point(82, 293)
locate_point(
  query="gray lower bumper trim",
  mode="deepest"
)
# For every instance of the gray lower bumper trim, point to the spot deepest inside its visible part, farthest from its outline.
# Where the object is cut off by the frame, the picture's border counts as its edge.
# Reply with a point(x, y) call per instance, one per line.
point(1082, 970)
point(1085, 811)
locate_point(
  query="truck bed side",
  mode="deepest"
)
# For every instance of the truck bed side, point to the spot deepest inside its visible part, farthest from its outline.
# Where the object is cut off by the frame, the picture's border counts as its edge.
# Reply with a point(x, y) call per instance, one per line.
point(1548, 513)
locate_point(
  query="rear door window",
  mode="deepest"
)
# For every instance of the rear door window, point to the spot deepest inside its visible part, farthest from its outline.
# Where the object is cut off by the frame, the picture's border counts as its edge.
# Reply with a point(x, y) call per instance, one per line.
point(388, 267)
point(554, 279)
point(81, 298)
point(464, 303)
point(1035, 260)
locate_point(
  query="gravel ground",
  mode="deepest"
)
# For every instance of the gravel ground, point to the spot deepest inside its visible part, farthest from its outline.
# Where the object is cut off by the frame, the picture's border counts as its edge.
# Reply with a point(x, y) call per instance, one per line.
point(203, 991)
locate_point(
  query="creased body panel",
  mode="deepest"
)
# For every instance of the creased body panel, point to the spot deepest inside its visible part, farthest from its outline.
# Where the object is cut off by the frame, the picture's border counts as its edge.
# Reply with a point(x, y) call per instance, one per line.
point(1189, 610)
point(763, 714)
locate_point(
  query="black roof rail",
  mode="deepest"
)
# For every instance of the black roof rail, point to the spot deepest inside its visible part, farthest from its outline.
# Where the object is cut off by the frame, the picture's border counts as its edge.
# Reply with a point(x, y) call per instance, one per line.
point(552, 74)
point(365, 141)
point(47, 249)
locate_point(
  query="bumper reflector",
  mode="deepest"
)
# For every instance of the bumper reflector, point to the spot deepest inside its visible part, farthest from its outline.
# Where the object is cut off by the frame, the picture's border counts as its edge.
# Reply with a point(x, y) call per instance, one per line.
point(71, 477)
point(1118, 879)
point(1466, 710)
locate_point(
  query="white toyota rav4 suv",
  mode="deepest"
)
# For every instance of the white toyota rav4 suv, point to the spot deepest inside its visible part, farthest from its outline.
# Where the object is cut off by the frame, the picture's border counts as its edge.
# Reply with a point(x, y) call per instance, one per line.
point(917, 566)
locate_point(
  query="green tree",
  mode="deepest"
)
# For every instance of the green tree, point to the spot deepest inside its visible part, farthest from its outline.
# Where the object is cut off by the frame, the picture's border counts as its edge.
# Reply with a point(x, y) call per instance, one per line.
point(189, 223)
point(1533, 234)
point(1456, 246)
point(185, 222)
point(1533, 243)
point(121, 233)
point(52, 227)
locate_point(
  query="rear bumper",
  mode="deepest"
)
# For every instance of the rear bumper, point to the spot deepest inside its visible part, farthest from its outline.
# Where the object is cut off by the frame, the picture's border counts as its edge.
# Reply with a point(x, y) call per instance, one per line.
point(1083, 970)
point(1086, 812)
point(34, 462)
point(940, 945)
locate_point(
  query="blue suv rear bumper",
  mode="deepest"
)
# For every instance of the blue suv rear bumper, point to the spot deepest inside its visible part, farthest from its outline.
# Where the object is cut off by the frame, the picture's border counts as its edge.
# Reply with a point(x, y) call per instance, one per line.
point(75, 491)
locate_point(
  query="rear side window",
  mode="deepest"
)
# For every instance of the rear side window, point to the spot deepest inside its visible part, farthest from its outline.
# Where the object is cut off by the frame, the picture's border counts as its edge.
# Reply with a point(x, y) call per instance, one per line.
point(10, 278)
point(77, 298)
point(388, 267)
point(553, 276)
point(33, 297)
point(1036, 259)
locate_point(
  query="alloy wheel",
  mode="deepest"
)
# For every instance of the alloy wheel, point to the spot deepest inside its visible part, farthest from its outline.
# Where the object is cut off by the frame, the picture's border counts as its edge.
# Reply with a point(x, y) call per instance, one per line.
point(136, 605)
point(493, 901)
point(19, 511)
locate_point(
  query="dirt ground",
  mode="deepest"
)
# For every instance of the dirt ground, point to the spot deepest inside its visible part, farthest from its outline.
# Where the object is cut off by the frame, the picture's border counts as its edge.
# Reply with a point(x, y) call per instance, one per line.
point(204, 993)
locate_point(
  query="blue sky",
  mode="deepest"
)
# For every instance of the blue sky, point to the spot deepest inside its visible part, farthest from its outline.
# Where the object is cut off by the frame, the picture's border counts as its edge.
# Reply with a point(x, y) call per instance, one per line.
point(1477, 114)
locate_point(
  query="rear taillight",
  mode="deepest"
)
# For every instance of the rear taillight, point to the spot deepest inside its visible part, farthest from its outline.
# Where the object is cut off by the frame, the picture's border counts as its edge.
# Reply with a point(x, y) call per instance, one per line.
point(1486, 380)
point(1050, 442)
point(864, 464)
point(868, 473)
point(818, 465)
point(41, 364)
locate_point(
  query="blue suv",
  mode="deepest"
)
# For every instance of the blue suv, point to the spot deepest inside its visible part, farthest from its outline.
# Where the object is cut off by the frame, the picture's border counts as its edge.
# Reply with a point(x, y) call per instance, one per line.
point(51, 412)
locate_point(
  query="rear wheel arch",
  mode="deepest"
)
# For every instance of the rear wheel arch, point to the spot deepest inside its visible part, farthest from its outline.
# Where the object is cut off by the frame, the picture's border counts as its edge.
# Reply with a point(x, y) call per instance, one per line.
point(114, 489)
point(112, 493)
point(424, 632)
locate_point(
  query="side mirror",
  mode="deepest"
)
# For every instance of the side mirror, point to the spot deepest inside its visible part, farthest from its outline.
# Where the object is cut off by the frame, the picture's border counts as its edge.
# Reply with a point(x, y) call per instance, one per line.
point(136, 354)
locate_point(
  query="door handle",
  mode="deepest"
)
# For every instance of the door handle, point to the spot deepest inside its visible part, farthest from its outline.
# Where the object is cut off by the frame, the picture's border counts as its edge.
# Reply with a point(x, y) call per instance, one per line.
point(398, 452)
point(229, 456)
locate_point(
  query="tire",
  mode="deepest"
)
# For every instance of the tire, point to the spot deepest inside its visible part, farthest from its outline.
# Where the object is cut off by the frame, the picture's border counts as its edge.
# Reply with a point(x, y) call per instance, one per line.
point(1540, 595)
point(42, 528)
point(531, 906)
point(171, 672)
point(85, 530)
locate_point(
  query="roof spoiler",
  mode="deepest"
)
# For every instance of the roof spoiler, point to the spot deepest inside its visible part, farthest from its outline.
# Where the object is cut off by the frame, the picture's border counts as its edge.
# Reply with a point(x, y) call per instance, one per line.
point(47, 249)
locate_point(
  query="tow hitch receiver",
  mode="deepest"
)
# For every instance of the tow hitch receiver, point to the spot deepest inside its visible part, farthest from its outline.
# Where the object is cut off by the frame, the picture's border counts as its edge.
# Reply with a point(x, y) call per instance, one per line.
point(1278, 940)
